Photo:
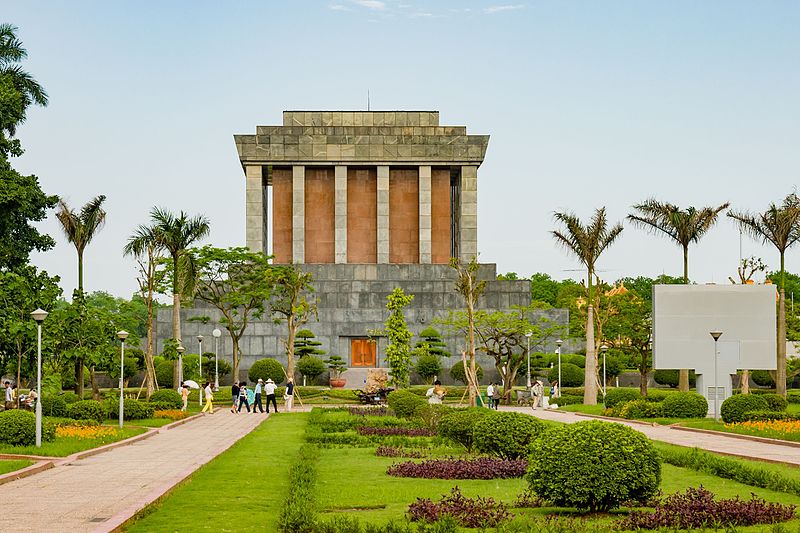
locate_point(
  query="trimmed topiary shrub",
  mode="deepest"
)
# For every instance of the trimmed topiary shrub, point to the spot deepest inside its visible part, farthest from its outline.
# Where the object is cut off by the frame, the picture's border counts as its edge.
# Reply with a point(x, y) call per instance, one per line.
point(132, 409)
point(168, 397)
point(86, 410)
point(620, 395)
point(640, 409)
point(506, 434)
point(734, 408)
point(670, 377)
point(428, 366)
point(404, 403)
point(593, 465)
point(18, 428)
point(54, 406)
point(460, 425)
point(567, 399)
point(685, 405)
point(311, 367)
point(266, 369)
point(165, 370)
point(571, 375)
point(457, 372)
point(69, 397)
point(776, 402)
point(762, 378)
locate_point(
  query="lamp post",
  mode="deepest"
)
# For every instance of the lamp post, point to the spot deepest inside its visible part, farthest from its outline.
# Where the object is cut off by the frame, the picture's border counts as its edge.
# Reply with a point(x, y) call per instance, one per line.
point(716, 335)
point(200, 359)
point(559, 342)
point(217, 334)
point(528, 336)
point(39, 315)
point(604, 349)
point(122, 335)
point(180, 349)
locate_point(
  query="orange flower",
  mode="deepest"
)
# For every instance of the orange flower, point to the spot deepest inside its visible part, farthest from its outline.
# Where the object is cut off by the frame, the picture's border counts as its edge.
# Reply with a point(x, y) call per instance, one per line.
point(85, 432)
point(780, 427)
point(171, 414)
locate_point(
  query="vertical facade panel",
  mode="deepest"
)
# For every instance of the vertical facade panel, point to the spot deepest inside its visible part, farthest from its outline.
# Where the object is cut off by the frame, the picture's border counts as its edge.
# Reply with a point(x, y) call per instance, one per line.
point(440, 216)
point(282, 215)
point(403, 215)
point(320, 197)
point(362, 215)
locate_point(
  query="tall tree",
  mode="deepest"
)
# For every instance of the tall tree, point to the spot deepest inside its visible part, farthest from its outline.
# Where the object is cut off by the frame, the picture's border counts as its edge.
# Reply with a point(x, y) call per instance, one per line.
point(292, 300)
point(780, 226)
point(682, 226)
point(175, 234)
point(587, 243)
point(470, 288)
point(398, 351)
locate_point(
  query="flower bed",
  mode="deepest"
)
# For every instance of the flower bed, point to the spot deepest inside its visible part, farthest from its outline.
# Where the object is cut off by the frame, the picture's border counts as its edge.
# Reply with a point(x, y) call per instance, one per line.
point(777, 429)
point(468, 512)
point(481, 468)
point(85, 432)
point(391, 431)
point(171, 414)
point(395, 451)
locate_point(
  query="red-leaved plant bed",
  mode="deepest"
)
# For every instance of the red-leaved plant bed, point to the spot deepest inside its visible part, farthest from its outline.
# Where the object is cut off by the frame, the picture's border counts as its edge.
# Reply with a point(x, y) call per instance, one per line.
point(468, 512)
point(386, 432)
point(696, 508)
point(480, 468)
point(394, 451)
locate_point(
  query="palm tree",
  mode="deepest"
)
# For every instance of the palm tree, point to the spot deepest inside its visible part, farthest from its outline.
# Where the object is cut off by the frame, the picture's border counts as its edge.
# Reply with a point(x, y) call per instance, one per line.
point(175, 234)
point(80, 228)
point(683, 226)
point(779, 225)
point(587, 243)
point(12, 76)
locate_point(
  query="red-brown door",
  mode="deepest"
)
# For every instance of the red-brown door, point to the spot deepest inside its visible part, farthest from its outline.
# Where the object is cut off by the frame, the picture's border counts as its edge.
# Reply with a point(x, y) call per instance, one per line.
point(362, 352)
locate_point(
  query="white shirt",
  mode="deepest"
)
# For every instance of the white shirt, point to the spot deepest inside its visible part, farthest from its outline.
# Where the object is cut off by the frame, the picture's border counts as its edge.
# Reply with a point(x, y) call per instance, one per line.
point(269, 388)
point(490, 390)
point(9, 397)
point(209, 392)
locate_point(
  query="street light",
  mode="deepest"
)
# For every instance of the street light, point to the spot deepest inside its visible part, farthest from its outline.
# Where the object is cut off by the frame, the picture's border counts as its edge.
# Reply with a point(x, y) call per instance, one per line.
point(180, 349)
point(559, 342)
point(604, 349)
point(122, 334)
point(716, 335)
point(217, 334)
point(528, 336)
point(200, 394)
point(39, 315)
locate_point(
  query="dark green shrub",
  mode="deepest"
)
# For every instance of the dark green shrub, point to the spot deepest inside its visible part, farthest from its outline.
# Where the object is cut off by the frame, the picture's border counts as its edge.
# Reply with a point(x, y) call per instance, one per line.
point(86, 410)
point(69, 397)
point(266, 369)
point(655, 395)
point(298, 512)
point(762, 378)
point(571, 358)
point(670, 377)
point(640, 409)
point(567, 399)
point(405, 403)
point(18, 428)
point(593, 465)
point(769, 415)
point(457, 372)
point(734, 408)
point(165, 371)
point(685, 405)
point(459, 425)
point(793, 396)
point(506, 434)
point(571, 375)
point(776, 402)
point(432, 414)
point(311, 367)
point(132, 409)
point(163, 406)
point(54, 406)
point(428, 366)
point(620, 395)
point(167, 396)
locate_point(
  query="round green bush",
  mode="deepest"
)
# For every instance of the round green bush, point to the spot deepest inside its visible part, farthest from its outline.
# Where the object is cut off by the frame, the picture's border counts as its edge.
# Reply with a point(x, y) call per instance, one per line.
point(457, 372)
point(762, 378)
point(571, 375)
point(655, 395)
point(593, 465)
point(571, 358)
point(167, 396)
point(621, 395)
point(734, 408)
point(769, 415)
point(311, 367)
point(640, 409)
point(54, 406)
point(86, 410)
point(165, 370)
point(671, 377)
point(405, 403)
point(18, 428)
point(132, 409)
point(266, 369)
point(776, 402)
point(428, 366)
point(459, 425)
point(506, 434)
point(69, 397)
point(685, 405)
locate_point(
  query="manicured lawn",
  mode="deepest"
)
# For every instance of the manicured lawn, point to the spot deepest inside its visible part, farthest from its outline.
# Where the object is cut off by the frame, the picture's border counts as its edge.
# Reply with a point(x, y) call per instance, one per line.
point(241, 490)
point(63, 446)
point(10, 465)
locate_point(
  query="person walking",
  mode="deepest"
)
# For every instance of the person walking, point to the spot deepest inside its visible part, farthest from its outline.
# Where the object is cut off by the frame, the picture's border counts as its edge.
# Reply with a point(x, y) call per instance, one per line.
point(184, 395)
point(498, 395)
point(490, 395)
point(234, 396)
point(288, 396)
point(208, 407)
point(269, 390)
point(9, 396)
point(243, 397)
point(538, 391)
point(257, 399)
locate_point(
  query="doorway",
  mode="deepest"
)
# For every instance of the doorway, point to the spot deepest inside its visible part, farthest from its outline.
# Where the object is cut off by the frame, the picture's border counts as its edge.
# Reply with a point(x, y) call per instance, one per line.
point(362, 352)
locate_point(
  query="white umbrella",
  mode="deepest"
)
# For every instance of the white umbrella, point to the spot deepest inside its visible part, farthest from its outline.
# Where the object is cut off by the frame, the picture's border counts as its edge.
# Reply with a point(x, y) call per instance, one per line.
point(191, 384)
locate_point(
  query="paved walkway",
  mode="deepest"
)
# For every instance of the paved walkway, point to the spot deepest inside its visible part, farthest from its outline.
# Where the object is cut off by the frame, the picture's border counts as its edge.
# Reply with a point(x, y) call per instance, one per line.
point(98, 492)
point(715, 443)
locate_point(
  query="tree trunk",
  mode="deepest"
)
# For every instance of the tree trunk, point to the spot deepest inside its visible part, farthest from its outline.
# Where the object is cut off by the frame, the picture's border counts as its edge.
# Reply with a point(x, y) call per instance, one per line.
point(19, 369)
point(176, 322)
point(590, 374)
point(290, 346)
point(79, 377)
point(780, 378)
point(744, 382)
point(643, 383)
point(149, 367)
point(95, 388)
point(473, 389)
point(683, 374)
point(235, 356)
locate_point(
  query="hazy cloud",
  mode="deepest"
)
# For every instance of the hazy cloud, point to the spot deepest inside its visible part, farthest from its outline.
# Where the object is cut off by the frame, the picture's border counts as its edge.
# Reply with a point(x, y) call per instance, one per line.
point(499, 9)
point(338, 7)
point(371, 4)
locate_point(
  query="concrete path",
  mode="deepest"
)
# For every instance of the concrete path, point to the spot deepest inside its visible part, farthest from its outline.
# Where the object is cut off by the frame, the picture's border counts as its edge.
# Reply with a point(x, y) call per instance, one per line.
point(712, 442)
point(100, 492)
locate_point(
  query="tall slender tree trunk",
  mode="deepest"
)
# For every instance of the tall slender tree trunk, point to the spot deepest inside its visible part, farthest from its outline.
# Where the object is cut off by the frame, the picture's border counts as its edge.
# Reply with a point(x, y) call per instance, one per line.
point(149, 367)
point(780, 378)
point(683, 374)
point(590, 372)
point(290, 346)
point(79, 366)
point(473, 389)
point(744, 382)
point(176, 320)
point(235, 357)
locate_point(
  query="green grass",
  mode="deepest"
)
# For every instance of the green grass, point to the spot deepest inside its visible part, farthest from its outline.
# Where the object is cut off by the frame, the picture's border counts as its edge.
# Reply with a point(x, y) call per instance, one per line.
point(63, 446)
point(10, 465)
point(241, 490)
point(581, 408)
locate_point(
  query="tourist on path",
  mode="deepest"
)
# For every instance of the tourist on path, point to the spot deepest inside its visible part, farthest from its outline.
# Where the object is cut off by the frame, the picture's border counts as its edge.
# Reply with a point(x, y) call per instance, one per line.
point(490, 395)
point(208, 407)
point(234, 396)
point(288, 396)
point(269, 390)
point(9, 395)
point(243, 397)
point(436, 393)
point(538, 390)
point(257, 400)
point(184, 395)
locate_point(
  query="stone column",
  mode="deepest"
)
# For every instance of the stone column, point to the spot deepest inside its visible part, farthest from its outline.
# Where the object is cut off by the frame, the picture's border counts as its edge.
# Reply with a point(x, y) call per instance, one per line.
point(340, 213)
point(298, 214)
point(425, 215)
point(468, 237)
point(383, 214)
point(255, 209)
